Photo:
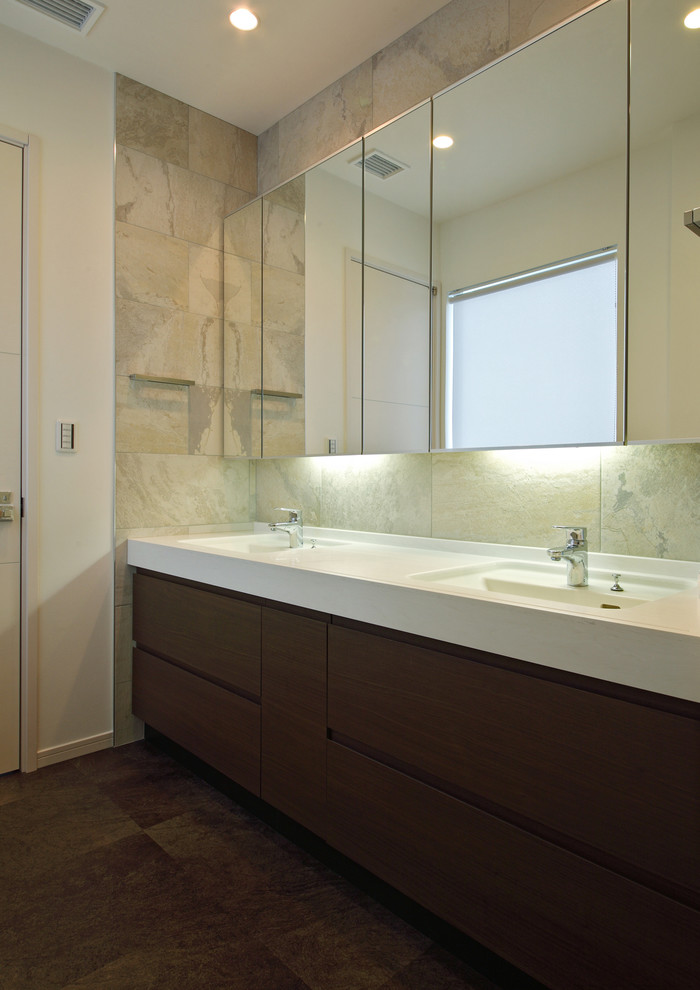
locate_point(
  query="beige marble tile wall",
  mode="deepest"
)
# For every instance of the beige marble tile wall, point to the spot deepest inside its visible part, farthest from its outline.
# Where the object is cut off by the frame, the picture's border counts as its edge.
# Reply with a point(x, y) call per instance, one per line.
point(459, 38)
point(242, 331)
point(178, 173)
point(643, 501)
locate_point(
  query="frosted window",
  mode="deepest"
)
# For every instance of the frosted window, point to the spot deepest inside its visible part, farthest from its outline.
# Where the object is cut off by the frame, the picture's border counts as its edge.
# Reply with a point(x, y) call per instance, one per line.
point(531, 360)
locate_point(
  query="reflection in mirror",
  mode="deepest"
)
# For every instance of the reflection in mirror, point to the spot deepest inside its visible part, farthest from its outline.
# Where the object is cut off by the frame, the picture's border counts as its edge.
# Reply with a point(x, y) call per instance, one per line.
point(242, 332)
point(333, 317)
point(664, 346)
point(394, 392)
point(292, 328)
point(283, 290)
point(529, 225)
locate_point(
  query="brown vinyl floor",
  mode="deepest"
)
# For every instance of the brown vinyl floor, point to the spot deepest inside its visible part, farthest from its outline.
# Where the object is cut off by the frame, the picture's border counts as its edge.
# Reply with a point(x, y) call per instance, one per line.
point(124, 870)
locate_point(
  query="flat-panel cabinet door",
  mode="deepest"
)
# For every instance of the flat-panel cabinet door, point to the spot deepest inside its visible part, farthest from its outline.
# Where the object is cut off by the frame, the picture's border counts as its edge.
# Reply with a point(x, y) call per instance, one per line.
point(293, 777)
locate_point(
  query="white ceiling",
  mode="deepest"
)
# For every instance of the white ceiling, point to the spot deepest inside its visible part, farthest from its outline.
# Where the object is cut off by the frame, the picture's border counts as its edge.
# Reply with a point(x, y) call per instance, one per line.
point(188, 49)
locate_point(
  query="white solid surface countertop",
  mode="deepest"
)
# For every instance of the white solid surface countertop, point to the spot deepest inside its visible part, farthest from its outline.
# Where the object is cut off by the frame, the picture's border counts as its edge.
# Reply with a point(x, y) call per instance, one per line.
point(372, 578)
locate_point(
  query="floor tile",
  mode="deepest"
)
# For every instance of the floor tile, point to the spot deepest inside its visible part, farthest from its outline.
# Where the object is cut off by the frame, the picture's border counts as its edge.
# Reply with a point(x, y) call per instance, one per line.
point(153, 790)
point(15, 786)
point(46, 829)
point(195, 962)
point(123, 870)
point(88, 911)
point(438, 970)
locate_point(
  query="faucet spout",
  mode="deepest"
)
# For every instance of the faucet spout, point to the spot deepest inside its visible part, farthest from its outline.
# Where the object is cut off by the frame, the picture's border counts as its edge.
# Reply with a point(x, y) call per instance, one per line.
point(293, 527)
point(575, 553)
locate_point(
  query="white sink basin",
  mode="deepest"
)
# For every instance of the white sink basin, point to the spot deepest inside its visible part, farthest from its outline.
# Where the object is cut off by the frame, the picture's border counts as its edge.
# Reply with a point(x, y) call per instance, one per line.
point(548, 582)
point(255, 543)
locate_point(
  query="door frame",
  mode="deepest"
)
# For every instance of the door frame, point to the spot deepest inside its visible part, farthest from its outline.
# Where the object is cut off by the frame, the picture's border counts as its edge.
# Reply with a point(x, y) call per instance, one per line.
point(29, 447)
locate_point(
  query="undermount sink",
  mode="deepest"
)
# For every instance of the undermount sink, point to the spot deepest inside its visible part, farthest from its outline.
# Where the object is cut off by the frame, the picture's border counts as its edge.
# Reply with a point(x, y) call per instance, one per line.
point(548, 582)
point(255, 543)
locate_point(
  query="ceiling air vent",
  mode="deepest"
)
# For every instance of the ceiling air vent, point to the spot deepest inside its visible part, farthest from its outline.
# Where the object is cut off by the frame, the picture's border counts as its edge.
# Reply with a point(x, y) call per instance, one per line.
point(73, 13)
point(379, 164)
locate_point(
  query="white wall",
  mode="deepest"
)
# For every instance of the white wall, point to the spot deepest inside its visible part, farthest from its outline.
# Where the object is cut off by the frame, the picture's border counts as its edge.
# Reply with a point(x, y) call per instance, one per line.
point(578, 213)
point(67, 106)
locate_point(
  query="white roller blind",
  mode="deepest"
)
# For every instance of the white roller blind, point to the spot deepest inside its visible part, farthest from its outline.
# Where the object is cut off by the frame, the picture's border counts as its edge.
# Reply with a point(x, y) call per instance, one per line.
point(531, 358)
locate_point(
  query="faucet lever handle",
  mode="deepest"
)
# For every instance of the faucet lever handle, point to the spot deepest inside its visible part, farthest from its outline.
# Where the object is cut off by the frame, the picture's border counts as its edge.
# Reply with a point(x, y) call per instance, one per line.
point(576, 535)
point(294, 514)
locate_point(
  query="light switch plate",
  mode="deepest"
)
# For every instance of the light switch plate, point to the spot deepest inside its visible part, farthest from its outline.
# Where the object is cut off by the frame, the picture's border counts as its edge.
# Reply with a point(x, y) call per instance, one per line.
point(65, 436)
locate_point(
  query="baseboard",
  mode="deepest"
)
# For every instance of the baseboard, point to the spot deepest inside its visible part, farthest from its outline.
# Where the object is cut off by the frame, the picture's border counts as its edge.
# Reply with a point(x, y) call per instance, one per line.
point(68, 751)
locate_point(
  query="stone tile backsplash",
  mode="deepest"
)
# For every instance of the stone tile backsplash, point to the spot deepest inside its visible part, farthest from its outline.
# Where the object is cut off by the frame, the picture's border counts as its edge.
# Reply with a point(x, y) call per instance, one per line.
point(650, 501)
point(639, 501)
point(156, 490)
point(516, 496)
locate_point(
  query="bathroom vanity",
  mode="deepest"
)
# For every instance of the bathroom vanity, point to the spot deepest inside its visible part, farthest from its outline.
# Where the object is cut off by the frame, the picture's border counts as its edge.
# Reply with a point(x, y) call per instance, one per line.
point(466, 747)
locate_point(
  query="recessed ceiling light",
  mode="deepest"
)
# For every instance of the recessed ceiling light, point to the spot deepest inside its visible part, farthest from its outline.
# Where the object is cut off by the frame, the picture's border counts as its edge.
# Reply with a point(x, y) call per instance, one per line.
point(243, 19)
point(692, 20)
point(443, 141)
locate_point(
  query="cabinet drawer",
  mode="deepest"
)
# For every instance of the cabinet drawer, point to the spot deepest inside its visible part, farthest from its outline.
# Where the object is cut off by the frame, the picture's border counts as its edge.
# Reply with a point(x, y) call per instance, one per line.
point(215, 724)
point(211, 634)
point(568, 922)
point(615, 779)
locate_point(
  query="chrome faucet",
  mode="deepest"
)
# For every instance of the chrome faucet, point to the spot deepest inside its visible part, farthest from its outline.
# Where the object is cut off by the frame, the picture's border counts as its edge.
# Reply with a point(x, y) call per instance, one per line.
point(293, 527)
point(575, 553)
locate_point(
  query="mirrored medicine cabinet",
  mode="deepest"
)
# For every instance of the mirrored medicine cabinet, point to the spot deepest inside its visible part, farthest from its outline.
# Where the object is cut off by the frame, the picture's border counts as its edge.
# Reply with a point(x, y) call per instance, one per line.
point(402, 297)
point(664, 343)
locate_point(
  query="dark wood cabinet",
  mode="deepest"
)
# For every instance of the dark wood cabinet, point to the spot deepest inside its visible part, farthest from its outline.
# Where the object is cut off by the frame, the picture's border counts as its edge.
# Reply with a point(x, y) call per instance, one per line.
point(555, 823)
point(294, 716)
point(239, 682)
point(568, 922)
point(196, 672)
point(617, 780)
point(552, 817)
point(212, 634)
point(218, 726)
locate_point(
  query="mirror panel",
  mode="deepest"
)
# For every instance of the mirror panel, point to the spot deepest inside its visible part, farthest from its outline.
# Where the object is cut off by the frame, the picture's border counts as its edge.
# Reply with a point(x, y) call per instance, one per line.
point(396, 289)
point(320, 347)
point(529, 234)
point(293, 304)
point(664, 346)
point(243, 332)
point(283, 320)
point(334, 303)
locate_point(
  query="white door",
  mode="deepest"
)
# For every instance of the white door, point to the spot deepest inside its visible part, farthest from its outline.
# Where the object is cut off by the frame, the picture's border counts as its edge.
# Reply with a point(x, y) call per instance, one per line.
point(388, 393)
point(10, 447)
point(397, 364)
